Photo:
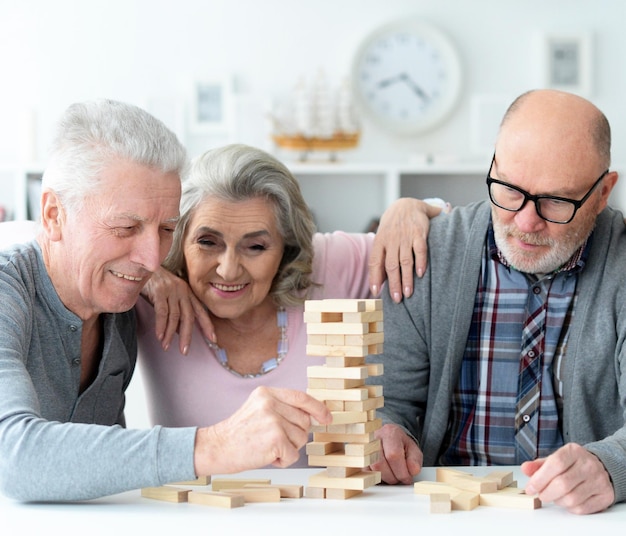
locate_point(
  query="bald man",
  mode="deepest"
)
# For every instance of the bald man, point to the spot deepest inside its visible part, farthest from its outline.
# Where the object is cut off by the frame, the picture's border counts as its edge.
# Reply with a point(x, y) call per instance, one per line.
point(510, 350)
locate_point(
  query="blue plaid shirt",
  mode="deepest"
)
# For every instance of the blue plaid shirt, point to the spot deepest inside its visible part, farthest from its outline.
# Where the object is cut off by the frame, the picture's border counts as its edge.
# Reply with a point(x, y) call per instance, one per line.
point(482, 427)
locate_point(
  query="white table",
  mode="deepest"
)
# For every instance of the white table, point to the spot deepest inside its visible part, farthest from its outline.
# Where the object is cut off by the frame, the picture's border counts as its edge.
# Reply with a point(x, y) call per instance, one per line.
point(378, 510)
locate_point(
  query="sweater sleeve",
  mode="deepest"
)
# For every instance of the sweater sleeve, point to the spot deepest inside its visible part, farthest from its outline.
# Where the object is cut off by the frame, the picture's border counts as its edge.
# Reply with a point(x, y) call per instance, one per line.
point(50, 458)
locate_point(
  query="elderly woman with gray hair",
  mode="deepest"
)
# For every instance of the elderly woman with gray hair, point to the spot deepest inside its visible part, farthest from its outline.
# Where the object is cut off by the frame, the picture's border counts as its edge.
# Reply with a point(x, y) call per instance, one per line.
point(247, 246)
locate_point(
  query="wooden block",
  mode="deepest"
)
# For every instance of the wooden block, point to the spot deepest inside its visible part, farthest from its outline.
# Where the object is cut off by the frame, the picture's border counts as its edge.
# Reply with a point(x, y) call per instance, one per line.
point(317, 317)
point(375, 369)
point(335, 405)
point(343, 438)
point(474, 484)
point(363, 317)
point(361, 428)
point(343, 361)
point(334, 383)
point(440, 503)
point(338, 351)
point(461, 500)
point(361, 449)
point(165, 493)
point(316, 339)
point(510, 500)
point(502, 478)
point(348, 417)
point(343, 460)
point(200, 481)
point(335, 328)
point(216, 498)
point(333, 493)
point(466, 481)
point(287, 491)
point(333, 340)
point(360, 480)
point(321, 448)
point(315, 493)
point(257, 493)
point(219, 484)
point(358, 340)
point(373, 304)
point(374, 391)
point(338, 305)
point(338, 394)
point(371, 403)
point(348, 373)
point(342, 472)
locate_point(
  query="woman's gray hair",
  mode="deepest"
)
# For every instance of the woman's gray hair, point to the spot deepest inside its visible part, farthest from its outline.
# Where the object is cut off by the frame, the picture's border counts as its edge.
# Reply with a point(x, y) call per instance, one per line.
point(239, 172)
point(90, 135)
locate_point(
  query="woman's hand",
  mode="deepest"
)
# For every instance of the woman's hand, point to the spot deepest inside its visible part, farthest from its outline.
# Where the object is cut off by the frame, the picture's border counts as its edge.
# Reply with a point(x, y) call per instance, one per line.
point(400, 245)
point(176, 309)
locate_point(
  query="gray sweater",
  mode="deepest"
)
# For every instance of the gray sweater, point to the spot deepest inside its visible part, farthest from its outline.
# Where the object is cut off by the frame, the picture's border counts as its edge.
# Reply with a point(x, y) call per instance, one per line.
point(425, 339)
point(57, 444)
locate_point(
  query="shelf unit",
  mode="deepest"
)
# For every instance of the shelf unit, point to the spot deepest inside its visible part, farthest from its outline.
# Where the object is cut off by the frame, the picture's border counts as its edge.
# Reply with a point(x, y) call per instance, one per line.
point(348, 196)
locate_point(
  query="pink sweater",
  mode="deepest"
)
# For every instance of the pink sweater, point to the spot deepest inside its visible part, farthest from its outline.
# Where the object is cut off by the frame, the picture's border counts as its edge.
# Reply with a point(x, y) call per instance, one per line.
point(195, 390)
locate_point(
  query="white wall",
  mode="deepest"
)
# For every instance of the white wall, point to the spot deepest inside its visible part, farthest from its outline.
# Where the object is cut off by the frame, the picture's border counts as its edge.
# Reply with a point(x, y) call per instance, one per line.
point(148, 51)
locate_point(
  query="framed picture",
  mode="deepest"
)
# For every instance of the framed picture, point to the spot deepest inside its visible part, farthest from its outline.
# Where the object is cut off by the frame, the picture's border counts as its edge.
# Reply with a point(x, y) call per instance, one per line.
point(568, 63)
point(211, 106)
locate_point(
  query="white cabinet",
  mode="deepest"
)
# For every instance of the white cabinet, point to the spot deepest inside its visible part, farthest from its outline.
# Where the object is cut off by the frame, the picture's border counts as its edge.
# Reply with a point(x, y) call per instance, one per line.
point(349, 196)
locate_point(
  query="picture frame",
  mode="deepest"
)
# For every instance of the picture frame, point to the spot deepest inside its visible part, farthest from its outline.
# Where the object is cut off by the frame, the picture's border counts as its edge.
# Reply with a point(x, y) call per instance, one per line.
point(211, 106)
point(567, 62)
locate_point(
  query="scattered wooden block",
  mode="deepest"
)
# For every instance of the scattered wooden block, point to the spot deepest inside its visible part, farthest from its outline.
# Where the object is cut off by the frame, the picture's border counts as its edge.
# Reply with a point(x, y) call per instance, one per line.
point(216, 498)
point(460, 499)
point(502, 478)
point(287, 491)
point(258, 493)
point(337, 493)
point(440, 503)
point(510, 500)
point(219, 484)
point(165, 493)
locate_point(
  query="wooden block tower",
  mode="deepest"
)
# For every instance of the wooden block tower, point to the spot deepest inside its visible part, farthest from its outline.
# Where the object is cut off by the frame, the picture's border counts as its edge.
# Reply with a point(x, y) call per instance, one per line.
point(344, 331)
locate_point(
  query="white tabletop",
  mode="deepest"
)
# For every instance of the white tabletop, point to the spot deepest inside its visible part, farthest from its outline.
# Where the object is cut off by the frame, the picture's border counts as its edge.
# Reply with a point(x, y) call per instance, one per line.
point(378, 509)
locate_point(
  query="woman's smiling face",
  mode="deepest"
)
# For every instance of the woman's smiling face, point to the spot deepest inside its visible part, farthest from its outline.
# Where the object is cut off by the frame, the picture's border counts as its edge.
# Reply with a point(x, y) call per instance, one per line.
point(232, 253)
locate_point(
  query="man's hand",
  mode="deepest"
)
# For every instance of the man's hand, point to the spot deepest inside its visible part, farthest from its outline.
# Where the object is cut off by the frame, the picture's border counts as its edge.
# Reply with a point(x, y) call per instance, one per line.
point(270, 428)
point(399, 245)
point(571, 477)
point(401, 459)
point(176, 309)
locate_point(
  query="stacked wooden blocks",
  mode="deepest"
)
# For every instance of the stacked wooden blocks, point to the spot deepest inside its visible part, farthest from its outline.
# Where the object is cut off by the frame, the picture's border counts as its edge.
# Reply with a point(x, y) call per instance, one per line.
point(344, 331)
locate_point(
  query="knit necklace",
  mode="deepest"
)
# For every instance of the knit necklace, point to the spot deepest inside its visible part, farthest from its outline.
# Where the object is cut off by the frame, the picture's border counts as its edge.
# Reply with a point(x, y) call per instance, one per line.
point(267, 366)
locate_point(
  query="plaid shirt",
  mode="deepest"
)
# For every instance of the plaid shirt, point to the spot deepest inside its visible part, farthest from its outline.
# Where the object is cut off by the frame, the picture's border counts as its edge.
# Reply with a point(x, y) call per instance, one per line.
point(482, 427)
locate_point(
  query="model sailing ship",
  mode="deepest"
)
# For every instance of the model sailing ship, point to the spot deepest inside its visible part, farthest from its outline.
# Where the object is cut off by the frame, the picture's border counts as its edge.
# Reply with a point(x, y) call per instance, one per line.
point(318, 119)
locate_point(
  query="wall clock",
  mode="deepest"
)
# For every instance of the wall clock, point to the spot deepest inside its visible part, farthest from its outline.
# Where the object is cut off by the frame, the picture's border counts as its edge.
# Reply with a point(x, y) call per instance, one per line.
point(407, 76)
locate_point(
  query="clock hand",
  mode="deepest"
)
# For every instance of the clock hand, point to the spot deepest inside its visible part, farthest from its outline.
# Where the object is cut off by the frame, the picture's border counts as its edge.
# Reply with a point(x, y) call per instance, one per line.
point(403, 77)
point(416, 89)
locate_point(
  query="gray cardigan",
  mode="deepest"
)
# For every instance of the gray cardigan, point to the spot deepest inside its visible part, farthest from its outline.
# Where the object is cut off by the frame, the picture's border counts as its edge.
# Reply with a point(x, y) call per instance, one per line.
point(425, 339)
point(57, 444)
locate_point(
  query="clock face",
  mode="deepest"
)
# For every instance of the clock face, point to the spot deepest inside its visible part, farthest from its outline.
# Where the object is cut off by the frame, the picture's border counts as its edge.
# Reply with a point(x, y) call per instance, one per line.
point(407, 77)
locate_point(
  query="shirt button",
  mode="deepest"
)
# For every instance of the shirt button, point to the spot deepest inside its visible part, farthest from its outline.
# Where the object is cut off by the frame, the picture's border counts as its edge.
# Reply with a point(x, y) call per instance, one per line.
point(531, 353)
point(76, 362)
point(73, 327)
point(536, 290)
point(526, 418)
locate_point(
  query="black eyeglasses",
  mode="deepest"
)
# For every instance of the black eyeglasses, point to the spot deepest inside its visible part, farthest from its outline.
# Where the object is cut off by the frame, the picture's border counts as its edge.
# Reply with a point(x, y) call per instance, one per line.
point(551, 208)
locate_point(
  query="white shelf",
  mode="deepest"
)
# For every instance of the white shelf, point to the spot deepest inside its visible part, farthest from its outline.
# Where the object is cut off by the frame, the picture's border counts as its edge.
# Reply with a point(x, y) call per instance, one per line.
point(348, 196)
